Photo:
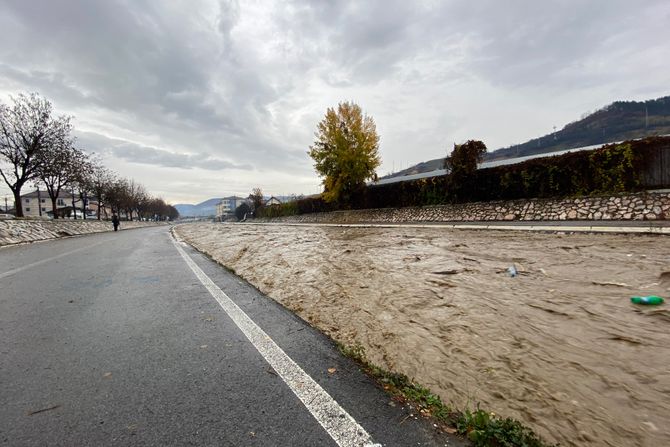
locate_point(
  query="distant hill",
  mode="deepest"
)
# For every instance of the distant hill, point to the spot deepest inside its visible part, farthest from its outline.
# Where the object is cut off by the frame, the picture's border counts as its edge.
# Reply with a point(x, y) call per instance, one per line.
point(206, 208)
point(621, 120)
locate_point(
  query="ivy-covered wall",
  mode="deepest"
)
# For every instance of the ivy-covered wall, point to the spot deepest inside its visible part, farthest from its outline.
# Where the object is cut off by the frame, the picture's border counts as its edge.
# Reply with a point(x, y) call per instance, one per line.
point(640, 206)
point(612, 169)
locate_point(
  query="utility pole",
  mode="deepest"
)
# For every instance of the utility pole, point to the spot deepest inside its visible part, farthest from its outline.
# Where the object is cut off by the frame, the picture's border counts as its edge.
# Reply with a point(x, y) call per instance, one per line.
point(646, 116)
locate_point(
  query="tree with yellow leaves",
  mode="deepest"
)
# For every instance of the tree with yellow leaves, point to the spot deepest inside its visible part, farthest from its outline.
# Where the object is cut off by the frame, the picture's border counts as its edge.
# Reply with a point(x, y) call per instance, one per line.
point(345, 152)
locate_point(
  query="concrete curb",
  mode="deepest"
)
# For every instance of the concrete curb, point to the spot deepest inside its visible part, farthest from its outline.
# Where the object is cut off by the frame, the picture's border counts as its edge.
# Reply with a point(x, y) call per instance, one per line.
point(11, 237)
point(648, 229)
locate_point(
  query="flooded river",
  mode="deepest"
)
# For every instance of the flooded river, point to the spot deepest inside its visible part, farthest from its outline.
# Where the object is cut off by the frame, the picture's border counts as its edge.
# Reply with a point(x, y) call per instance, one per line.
point(559, 346)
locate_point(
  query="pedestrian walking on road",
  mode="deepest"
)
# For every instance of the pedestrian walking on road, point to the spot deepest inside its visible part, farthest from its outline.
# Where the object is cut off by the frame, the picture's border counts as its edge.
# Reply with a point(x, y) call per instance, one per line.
point(115, 221)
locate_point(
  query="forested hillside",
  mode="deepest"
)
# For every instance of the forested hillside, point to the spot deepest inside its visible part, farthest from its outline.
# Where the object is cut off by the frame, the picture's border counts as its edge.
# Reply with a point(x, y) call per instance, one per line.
point(621, 120)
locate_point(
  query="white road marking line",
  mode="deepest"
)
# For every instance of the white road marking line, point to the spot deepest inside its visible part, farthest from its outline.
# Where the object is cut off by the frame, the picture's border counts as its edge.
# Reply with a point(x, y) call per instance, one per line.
point(43, 261)
point(339, 424)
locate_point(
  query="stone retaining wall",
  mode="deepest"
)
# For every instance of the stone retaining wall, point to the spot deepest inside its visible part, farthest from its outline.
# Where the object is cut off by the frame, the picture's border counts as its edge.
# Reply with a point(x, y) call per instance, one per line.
point(641, 206)
point(16, 231)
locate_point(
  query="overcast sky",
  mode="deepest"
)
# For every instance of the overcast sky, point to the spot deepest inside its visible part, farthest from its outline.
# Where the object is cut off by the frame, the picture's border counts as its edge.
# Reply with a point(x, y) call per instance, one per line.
point(201, 99)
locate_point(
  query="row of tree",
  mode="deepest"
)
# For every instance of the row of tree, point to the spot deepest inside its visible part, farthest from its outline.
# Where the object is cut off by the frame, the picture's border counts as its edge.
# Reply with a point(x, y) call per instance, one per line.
point(38, 148)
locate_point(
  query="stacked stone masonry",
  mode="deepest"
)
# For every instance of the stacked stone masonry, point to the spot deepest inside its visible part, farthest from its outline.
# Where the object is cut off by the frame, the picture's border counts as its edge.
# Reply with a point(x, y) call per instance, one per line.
point(641, 206)
point(16, 231)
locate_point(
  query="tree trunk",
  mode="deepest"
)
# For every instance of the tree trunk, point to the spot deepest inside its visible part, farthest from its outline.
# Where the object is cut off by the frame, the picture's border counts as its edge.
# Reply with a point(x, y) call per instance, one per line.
point(54, 207)
point(82, 199)
point(74, 209)
point(17, 202)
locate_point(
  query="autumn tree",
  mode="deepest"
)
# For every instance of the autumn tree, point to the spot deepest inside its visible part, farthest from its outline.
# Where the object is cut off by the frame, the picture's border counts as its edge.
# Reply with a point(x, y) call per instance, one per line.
point(463, 160)
point(461, 165)
point(345, 151)
point(27, 129)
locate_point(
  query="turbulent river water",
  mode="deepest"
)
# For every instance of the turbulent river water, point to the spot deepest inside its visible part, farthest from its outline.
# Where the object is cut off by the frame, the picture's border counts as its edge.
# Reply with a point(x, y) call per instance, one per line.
point(559, 346)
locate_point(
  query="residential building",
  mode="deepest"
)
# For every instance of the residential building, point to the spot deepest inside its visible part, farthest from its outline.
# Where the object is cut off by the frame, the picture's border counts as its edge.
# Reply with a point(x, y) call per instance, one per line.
point(228, 205)
point(38, 203)
point(272, 201)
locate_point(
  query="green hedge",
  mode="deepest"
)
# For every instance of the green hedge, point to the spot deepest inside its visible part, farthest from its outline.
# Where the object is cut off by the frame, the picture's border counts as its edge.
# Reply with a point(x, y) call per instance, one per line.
point(300, 206)
point(613, 168)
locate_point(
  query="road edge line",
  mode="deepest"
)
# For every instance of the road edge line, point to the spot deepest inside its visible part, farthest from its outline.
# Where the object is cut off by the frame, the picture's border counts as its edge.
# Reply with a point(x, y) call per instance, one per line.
point(337, 422)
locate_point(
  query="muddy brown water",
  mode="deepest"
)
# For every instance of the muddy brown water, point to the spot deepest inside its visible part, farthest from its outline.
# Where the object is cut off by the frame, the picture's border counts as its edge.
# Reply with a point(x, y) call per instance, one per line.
point(559, 346)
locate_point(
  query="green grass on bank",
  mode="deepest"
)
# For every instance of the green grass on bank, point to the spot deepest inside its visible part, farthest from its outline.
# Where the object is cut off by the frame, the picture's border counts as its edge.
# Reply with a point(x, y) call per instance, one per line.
point(483, 428)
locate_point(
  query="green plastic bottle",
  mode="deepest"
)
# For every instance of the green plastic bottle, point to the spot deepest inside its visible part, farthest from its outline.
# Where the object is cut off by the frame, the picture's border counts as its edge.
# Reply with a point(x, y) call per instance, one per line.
point(652, 299)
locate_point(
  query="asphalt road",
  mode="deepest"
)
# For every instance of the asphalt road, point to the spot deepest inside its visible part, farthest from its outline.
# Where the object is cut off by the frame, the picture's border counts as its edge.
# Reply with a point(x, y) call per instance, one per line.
point(131, 339)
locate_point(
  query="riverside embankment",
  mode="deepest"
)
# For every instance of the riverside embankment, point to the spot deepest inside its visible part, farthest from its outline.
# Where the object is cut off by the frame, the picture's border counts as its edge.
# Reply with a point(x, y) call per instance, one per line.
point(17, 231)
point(559, 347)
point(651, 206)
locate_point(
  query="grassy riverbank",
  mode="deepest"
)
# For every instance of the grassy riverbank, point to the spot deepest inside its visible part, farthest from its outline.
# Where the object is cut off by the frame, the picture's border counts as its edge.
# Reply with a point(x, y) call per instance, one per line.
point(483, 428)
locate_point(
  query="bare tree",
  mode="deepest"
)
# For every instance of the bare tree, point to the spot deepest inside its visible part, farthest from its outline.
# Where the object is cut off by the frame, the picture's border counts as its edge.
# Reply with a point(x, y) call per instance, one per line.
point(116, 192)
point(26, 130)
point(98, 183)
point(140, 199)
point(61, 166)
point(134, 194)
point(256, 198)
point(154, 208)
point(84, 182)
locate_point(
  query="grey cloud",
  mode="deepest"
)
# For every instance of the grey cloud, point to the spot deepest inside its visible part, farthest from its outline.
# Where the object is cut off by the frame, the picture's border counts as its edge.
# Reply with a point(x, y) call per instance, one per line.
point(155, 157)
point(152, 67)
point(544, 43)
point(352, 42)
point(137, 153)
point(515, 43)
point(229, 14)
point(129, 57)
point(44, 81)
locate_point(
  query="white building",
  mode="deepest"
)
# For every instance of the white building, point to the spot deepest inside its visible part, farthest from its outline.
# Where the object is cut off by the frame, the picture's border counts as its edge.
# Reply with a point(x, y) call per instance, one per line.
point(228, 205)
point(38, 203)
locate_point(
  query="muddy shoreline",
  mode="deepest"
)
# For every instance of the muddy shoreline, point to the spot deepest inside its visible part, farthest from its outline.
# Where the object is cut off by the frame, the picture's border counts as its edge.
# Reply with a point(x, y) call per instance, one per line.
point(559, 347)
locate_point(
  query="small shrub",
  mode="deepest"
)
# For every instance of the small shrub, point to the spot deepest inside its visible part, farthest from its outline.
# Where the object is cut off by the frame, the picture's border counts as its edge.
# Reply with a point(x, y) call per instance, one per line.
point(487, 430)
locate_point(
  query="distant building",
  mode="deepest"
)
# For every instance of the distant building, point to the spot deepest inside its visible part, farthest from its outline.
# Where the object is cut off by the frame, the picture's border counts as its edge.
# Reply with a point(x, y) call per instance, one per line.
point(105, 211)
point(228, 205)
point(272, 201)
point(38, 203)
